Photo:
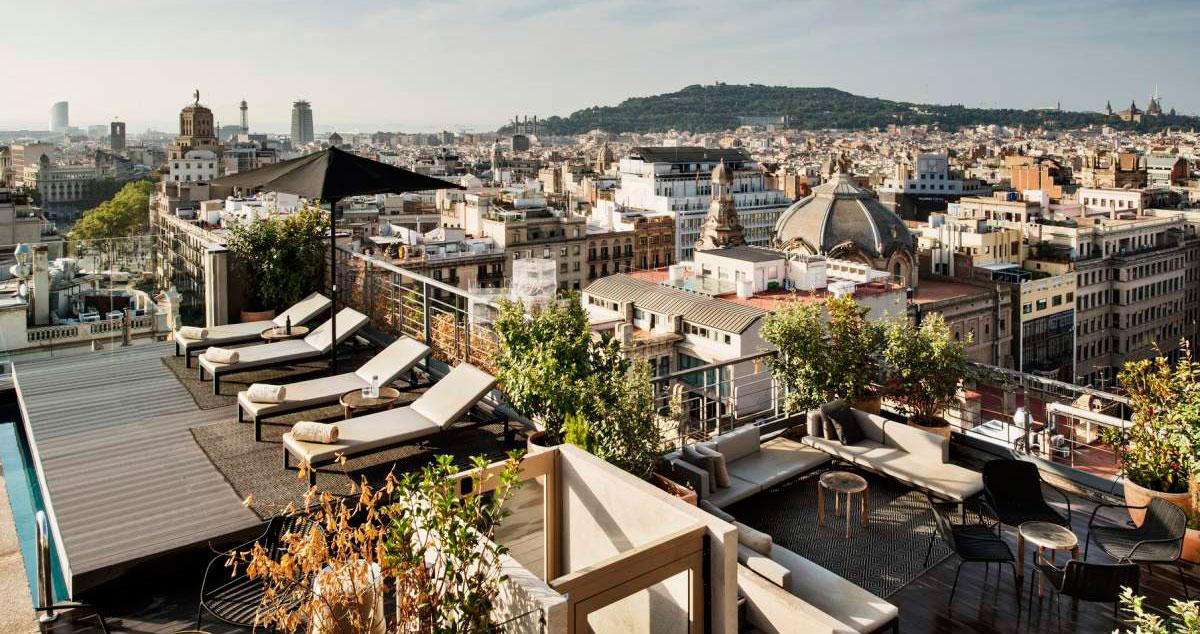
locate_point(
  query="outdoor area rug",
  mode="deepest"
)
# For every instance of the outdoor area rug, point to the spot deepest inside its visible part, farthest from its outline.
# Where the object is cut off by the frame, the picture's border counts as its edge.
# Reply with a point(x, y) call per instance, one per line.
point(256, 468)
point(882, 558)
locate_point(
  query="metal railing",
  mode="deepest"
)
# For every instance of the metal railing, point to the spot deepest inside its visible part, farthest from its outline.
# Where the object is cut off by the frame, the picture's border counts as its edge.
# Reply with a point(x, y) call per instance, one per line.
point(998, 410)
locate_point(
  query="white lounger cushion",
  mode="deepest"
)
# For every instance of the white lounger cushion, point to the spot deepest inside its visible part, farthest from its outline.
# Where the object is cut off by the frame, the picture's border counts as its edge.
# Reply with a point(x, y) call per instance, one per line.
point(442, 404)
point(302, 312)
point(314, 345)
point(391, 362)
point(324, 389)
point(394, 360)
point(362, 434)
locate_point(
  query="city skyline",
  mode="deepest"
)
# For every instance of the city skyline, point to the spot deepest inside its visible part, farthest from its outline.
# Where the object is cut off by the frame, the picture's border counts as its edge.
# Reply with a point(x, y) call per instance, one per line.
point(904, 52)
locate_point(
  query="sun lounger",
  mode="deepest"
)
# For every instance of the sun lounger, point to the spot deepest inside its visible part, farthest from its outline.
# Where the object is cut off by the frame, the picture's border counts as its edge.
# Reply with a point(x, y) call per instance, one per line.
point(301, 312)
point(436, 410)
point(265, 355)
point(391, 362)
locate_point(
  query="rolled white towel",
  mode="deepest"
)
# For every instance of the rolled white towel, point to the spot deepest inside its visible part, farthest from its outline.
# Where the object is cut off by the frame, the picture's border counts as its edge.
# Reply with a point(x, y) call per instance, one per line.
point(321, 433)
point(221, 355)
point(266, 393)
point(192, 332)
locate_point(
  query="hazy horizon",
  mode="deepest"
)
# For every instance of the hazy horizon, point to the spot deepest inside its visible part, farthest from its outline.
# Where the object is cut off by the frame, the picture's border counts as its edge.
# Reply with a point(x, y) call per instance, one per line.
point(424, 66)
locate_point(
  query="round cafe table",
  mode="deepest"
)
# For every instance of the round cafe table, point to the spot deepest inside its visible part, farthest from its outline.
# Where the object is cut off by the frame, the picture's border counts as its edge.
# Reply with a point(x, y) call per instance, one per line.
point(271, 334)
point(842, 483)
point(354, 401)
point(1047, 536)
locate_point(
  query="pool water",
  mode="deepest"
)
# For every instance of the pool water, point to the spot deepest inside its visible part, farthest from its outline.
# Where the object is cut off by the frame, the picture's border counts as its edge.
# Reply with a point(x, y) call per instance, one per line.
point(25, 497)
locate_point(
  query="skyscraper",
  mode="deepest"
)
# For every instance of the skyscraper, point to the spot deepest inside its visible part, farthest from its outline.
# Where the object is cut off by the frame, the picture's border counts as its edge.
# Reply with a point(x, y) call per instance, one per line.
point(59, 121)
point(116, 136)
point(302, 123)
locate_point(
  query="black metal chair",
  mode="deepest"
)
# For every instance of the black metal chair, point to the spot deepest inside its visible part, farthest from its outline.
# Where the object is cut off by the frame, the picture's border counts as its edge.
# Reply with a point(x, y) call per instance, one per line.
point(1014, 489)
point(235, 599)
point(973, 543)
point(1098, 583)
point(1159, 540)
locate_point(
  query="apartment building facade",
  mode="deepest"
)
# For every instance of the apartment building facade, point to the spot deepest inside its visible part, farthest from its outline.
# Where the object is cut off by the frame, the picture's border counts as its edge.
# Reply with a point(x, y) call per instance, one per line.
point(677, 181)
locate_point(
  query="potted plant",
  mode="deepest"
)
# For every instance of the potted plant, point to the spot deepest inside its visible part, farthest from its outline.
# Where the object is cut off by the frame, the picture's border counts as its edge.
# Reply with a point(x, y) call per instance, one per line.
point(415, 537)
point(278, 259)
point(819, 361)
point(925, 366)
point(1156, 452)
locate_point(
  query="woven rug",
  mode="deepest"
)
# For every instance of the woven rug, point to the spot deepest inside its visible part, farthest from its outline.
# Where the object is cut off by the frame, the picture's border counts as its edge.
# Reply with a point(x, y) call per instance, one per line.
point(256, 468)
point(881, 558)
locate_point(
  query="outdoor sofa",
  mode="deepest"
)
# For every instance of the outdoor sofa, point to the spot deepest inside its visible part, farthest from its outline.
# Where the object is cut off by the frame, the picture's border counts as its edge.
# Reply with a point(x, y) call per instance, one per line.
point(753, 465)
point(433, 412)
point(398, 358)
point(915, 457)
point(786, 592)
point(314, 346)
point(300, 313)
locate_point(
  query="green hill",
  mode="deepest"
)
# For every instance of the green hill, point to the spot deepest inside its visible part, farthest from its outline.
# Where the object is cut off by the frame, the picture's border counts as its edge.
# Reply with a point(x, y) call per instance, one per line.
point(726, 106)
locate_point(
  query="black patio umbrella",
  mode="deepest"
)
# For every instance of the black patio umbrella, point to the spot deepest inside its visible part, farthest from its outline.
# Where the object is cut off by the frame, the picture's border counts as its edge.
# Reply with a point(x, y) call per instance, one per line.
point(331, 175)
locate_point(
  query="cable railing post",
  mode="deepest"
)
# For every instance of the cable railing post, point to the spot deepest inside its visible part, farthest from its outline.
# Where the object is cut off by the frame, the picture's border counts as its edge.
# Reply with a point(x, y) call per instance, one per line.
point(45, 580)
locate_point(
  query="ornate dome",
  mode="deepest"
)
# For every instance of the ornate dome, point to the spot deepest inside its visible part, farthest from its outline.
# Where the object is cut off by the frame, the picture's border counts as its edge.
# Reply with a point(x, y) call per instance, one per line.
point(838, 218)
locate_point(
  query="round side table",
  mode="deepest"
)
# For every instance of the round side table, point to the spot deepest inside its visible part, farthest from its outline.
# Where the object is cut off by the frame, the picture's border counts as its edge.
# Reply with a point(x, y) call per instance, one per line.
point(354, 401)
point(1047, 536)
point(842, 483)
point(271, 334)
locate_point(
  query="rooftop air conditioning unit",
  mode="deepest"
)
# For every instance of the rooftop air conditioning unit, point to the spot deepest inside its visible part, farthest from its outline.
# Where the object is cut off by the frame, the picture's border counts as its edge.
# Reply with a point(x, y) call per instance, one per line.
point(842, 288)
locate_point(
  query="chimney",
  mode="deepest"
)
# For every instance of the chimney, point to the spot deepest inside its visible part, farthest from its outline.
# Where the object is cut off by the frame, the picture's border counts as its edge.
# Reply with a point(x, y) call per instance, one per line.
point(40, 292)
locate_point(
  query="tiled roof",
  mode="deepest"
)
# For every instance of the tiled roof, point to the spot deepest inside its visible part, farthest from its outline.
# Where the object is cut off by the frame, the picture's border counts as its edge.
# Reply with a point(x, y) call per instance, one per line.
point(695, 308)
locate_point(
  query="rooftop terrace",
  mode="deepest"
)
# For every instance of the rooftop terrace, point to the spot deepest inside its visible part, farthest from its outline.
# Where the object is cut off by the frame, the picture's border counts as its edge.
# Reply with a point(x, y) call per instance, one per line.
point(144, 467)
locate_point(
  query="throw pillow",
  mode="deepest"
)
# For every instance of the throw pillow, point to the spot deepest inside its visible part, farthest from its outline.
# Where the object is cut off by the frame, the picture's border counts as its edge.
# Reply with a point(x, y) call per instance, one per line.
point(716, 511)
point(720, 469)
point(841, 417)
point(755, 540)
point(695, 458)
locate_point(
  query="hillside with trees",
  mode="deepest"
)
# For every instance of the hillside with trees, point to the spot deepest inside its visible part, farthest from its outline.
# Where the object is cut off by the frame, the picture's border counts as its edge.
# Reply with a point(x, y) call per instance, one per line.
point(721, 107)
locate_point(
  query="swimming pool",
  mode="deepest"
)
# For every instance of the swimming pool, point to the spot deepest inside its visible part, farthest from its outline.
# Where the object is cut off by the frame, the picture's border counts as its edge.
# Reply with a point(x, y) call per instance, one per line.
point(25, 497)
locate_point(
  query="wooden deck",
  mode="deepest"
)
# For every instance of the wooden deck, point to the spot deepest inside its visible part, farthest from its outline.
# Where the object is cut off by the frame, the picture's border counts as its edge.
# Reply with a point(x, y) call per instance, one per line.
point(122, 478)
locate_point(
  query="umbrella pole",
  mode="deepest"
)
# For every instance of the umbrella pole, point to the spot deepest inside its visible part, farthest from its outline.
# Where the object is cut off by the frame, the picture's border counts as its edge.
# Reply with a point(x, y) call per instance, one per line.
point(333, 286)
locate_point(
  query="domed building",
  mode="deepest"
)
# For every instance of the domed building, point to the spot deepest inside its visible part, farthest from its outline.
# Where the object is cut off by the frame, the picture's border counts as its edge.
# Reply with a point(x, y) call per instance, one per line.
point(843, 221)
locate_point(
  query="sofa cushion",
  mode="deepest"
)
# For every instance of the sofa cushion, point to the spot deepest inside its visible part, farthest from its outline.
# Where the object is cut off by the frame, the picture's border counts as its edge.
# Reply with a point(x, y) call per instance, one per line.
point(738, 443)
point(692, 456)
point(753, 538)
point(720, 467)
point(870, 424)
point(739, 489)
point(770, 569)
point(772, 610)
point(713, 509)
point(929, 446)
point(815, 423)
point(849, 453)
point(845, 424)
point(945, 480)
point(834, 595)
point(778, 460)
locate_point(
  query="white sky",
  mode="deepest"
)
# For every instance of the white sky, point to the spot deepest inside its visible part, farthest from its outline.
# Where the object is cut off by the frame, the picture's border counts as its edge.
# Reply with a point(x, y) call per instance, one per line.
point(417, 65)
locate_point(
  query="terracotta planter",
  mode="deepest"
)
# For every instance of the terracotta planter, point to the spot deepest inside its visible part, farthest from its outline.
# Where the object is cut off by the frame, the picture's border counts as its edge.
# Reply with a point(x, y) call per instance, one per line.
point(1137, 495)
point(868, 404)
point(674, 488)
point(933, 425)
point(1191, 546)
point(257, 315)
point(537, 442)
